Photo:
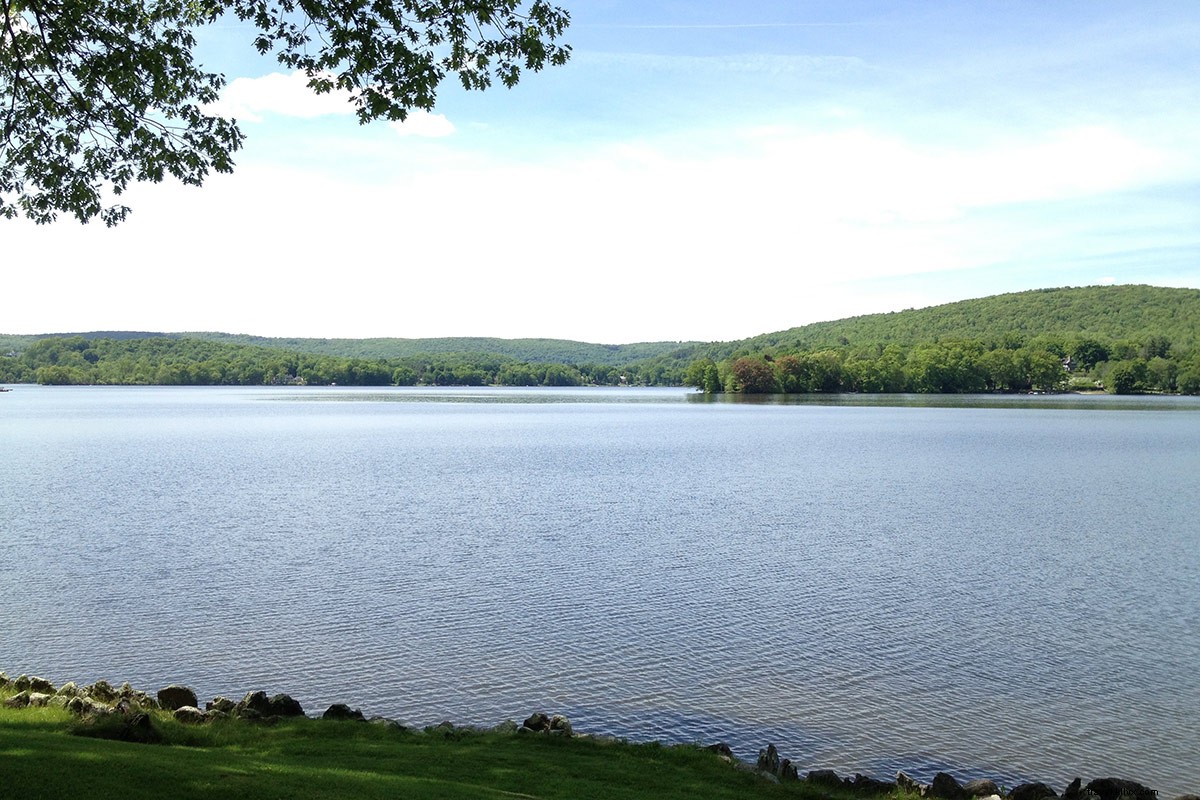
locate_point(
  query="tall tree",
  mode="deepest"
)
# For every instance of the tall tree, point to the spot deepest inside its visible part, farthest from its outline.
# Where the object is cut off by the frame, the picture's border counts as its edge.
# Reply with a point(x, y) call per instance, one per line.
point(98, 94)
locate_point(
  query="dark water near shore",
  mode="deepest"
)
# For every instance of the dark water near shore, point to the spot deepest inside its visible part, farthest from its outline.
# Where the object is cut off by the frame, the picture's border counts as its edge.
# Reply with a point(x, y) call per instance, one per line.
point(1002, 587)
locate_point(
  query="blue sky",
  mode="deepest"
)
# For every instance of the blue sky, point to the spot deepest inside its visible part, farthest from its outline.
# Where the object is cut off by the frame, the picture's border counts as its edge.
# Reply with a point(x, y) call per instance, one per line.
point(700, 170)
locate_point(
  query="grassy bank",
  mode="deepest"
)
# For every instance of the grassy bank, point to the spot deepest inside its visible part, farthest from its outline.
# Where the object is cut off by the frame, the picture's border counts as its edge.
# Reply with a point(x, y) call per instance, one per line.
point(43, 755)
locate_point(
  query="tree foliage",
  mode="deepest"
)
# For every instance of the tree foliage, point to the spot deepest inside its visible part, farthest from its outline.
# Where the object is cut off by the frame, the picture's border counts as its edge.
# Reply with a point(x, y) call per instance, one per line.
point(98, 94)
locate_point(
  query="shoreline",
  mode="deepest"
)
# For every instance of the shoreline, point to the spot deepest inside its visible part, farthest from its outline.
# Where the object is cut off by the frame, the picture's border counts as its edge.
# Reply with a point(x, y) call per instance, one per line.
point(133, 709)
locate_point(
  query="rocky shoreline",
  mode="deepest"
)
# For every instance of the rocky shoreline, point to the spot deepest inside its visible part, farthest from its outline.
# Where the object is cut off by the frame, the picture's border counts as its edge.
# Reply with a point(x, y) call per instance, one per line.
point(101, 700)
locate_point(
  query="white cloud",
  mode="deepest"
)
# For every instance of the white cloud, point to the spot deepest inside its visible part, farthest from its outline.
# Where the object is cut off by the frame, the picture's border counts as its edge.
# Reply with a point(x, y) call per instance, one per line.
point(423, 123)
point(250, 98)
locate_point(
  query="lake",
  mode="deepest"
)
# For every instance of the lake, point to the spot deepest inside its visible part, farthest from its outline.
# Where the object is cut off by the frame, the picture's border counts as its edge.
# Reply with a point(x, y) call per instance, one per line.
point(1002, 587)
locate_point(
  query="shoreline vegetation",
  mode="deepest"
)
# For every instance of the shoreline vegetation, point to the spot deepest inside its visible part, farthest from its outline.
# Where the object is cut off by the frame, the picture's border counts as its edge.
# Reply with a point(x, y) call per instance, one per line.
point(1119, 339)
point(102, 740)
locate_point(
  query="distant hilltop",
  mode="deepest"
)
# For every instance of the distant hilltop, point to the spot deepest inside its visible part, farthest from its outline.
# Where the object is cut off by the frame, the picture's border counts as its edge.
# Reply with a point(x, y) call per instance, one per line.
point(1096, 327)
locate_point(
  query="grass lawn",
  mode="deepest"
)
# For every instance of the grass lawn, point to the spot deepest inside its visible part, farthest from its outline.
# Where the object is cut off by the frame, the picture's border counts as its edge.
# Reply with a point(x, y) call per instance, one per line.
point(41, 756)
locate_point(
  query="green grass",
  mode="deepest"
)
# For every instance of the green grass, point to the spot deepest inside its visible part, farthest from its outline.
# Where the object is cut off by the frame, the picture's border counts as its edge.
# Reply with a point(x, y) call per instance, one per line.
point(41, 757)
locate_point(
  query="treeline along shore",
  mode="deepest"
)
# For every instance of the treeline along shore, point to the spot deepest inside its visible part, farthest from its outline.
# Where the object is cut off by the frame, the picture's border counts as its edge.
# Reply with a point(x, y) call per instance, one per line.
point(173, 716)
point(1119, 339)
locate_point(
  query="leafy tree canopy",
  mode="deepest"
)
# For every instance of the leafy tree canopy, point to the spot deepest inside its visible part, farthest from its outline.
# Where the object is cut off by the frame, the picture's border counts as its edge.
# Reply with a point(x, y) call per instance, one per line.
point(97, 94)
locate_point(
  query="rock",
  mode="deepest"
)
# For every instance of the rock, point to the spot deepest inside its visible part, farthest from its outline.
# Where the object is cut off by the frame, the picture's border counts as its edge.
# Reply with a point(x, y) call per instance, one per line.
point(384, 722)
point(826, 778)
point(865, 784)
point(174, 697)
point(39, 699)
point(909, 785)
point(222, 704)
point(4, 680)
point(103, 691)
point(561, 725)
point(980, 788)
point(85, 706)
point(1032, 791)
point(59, 701)
point(283, 705)
point(341, 711)
point(768, 760)
point(190, 715)
point(69, 689)
point(537, 722)
point(722, 750)
point(41, 685)
point(944, 786)
point(1075, 791)
point(788, 771)
point(257, 702)
point(1114, 788)
point(18, 700)
point(508, 727)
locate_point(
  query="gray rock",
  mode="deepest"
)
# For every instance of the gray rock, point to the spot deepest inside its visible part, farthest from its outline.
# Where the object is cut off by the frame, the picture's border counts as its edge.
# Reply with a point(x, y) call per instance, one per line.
point(222, 704)
point(982, 787)
point(4, 679)
point(508, 726)
point(1032, 791)
point(256, 702)
point(85, 706)
point(768, 760)
point(1117, 789)
point(945, 787)
point(384, 722)
point(282, 705)
point(41, 686)
point(865, 784)
point(190, 715)
point(788, 771)
point(561, 725)
point(174, 697)
point(1075, 791)
point(909, 785)
point(18, 700)
point(826, 778)
point(39, 699)
point(341, 711)
point(721, 749)
point(537, 722)
point(69, 689)
point(102, 691)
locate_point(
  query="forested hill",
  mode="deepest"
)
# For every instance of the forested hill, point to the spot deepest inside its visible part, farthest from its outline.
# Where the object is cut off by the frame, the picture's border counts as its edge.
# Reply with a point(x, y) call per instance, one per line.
point(534, 351)
point(1108, 313)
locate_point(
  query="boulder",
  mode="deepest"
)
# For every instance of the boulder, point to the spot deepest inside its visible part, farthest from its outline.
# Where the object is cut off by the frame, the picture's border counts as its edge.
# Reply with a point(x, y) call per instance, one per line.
point(1075, 791)
point(102, 691)
point(507, 727)
point(945, 787)
point(4, 679)
point(982, 787)
point(909, 785)
point(341, 711)
point(788, 771)
point(174, 697)
point(721, 749)
point(69, 689)
point(39, 699)
point(768, 760)
point(1114, 788)
point(1032, 791)
point(864, 784)
point(537, 722)
point(18, 700)
point(190, 715)
point(41, 685)
point(390, 724)
point(85, 706)
point(256, 702)
point(826, 778)
point(561, 725)
point(222, 704)
point(282, 705)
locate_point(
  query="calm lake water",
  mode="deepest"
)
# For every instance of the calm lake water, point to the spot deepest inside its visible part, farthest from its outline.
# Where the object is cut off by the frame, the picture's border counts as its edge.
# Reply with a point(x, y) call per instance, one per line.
point(1001, 587)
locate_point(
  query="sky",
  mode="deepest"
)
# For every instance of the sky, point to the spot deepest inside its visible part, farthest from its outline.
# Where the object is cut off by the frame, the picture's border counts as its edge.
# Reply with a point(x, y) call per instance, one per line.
point(704, 170)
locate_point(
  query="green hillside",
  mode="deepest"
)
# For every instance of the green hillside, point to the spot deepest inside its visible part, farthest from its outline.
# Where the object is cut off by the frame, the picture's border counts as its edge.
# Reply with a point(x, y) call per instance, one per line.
point(1109, 313)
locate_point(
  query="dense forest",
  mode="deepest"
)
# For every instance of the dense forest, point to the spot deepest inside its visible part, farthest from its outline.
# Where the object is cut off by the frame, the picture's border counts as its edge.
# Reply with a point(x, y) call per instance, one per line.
point(171, 361)
point(1115, 338)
